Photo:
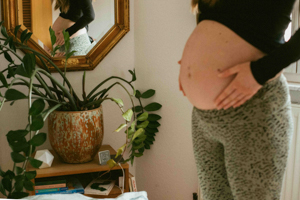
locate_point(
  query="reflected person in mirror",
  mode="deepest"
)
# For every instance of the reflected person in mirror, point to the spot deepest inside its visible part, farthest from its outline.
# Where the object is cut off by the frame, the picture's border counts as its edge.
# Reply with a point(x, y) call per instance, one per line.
point(74, 17)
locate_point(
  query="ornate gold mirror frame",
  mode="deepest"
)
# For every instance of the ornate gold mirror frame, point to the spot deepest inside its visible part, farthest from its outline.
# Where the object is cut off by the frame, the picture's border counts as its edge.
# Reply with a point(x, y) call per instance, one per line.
point(75, 63)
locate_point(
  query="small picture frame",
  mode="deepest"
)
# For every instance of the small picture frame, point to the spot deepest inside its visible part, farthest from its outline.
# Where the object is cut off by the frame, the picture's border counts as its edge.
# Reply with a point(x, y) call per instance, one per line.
point(104, 156)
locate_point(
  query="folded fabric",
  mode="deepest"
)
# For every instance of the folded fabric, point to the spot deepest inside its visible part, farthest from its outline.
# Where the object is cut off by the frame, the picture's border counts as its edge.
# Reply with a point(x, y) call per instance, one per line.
point(76, 196)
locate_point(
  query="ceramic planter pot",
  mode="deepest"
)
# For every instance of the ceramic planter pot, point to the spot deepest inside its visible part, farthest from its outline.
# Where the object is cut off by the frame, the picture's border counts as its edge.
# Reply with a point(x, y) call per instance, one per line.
point(76, 136)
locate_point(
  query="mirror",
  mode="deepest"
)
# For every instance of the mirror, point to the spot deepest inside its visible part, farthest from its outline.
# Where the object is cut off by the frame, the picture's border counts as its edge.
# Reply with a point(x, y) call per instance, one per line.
point(110, 24)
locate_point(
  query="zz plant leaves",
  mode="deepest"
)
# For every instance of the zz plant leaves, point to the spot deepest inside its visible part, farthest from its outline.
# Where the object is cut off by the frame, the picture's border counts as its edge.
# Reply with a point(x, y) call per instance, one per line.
point(153, 117)
point(13, 94)
point(37, 123)
point(17, 29)
point(30, 175)
point(16, 135)
point(8, 57)
point(148, 94)
point(128, 115)
point(153, 107)
point(143, 116)
point(7, 184)
point(38, 139)
point(17, 158)
point(23, 35)
point(37, 107)
point(29, 63)
point(35, 163)
point(3, 80)
point(28, 185)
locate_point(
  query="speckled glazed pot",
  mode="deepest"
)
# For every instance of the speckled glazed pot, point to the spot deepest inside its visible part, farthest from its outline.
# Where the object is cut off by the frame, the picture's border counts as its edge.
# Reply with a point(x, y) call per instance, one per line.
point(76, 136)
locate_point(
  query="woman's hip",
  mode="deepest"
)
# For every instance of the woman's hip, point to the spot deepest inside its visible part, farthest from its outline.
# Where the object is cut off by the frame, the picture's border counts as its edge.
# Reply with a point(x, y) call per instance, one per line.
point(273, 97)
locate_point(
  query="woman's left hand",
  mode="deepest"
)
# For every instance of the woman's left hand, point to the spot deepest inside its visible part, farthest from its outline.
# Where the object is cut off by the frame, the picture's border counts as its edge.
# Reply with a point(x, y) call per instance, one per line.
point(241, 88)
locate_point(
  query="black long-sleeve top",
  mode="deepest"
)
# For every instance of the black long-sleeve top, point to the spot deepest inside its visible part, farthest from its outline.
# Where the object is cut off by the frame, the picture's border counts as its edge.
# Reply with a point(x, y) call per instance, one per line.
point(262, 23)
point(81, 12)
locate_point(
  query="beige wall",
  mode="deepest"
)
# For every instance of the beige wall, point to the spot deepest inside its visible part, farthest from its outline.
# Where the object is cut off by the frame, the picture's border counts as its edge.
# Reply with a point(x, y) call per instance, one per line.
point(116, 63)
point(159, 30)
point(167, 171)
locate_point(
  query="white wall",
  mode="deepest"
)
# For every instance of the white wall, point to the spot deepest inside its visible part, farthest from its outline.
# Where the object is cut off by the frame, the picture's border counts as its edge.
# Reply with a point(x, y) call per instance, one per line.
point(167, 171)
point(116, 63)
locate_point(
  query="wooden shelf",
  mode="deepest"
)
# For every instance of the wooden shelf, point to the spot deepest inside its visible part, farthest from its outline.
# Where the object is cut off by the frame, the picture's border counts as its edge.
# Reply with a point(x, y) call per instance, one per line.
point(60, 168)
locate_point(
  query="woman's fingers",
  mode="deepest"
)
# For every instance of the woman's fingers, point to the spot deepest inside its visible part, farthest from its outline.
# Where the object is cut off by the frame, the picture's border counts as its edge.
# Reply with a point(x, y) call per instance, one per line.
point(232, 99)
point(242, 101)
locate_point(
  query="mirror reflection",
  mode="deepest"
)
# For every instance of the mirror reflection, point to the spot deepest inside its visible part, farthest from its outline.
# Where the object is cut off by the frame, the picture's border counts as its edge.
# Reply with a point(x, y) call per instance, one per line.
point(87, 21)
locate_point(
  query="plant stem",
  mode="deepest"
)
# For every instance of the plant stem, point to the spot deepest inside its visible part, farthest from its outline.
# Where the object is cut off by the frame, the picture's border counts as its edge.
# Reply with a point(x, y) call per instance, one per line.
point(69, 96)
point(100, 84)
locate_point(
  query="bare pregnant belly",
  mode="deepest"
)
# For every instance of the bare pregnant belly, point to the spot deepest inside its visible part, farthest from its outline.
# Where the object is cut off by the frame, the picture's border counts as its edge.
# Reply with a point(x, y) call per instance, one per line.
point(211, 46)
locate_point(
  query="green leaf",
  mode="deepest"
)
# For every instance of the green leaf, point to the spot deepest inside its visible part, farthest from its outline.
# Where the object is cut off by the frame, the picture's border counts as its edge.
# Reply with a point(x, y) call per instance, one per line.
point(137, 154)
point(148, 142)
point(150, 138)
point(154, 125)
point(52, 35)
point(143, 116)
point(147, 146)
point(130, 132)
point(137, 109)
point(150, 134)
point(3, 31)
point(151, 130)
point(35, 163)
point(7, 184)
point(30, 175)
point(111, 163)
point(133, 75)
point(7, 57)
point(26, 151)
point(138, 94)
point(12, 94)
point(2, 190)
point(120, 127)
point(67, 40)
point(23, 35)
point(37, 123)
point(153, 107)
point(27, 37)
point(28, 185)
point(153, 117)
point(19, 186)
point(127, 115)
point(21, 71)
point(37, 107)
point(68, 55)
point(29, 63)
point(38, 139)
point(3, 80)
point(19, 195)
point(120, 150)
point(143, 125)
point(17, 29)
point(118, 101)
point(1, 172)
point(16, 135)
point(148, 94)
point(9, 174)
point(19, 177)
point(138, 146)
point(19, 146)
point(140, 139)
point(19, 170)
point(17, 158)
point(139, 132)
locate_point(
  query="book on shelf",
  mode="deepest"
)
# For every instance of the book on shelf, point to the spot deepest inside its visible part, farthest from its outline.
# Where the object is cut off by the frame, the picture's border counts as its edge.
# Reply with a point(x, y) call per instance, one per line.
point(132, 183)
point(50, 182)
point(51, 190)
point(73, 185)
point(100, 187)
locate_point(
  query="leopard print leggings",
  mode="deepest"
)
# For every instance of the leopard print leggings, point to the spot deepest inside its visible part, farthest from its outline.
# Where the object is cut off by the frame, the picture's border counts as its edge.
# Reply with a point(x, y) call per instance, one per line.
point(241, 153)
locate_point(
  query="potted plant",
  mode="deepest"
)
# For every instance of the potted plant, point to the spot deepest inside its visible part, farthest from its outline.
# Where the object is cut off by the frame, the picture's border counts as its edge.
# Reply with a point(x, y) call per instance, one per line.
point(51, 101)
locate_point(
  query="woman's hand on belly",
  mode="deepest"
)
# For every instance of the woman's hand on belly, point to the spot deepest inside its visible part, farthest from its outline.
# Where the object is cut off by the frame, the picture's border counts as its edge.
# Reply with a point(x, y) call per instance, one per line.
point(59, 38)
point(240, 89)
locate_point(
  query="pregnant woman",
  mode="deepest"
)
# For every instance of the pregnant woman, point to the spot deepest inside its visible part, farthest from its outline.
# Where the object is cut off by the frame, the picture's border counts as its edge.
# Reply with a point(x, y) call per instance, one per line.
point(231, 71)
point(74, 18)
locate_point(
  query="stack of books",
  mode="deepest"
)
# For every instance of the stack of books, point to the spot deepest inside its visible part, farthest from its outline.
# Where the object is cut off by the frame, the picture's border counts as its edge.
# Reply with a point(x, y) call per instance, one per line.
point(100, 187)
point(58, 185)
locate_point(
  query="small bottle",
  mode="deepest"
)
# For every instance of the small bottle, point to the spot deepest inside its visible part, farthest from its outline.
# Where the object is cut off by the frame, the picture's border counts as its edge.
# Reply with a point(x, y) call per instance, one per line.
point(195, 196)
